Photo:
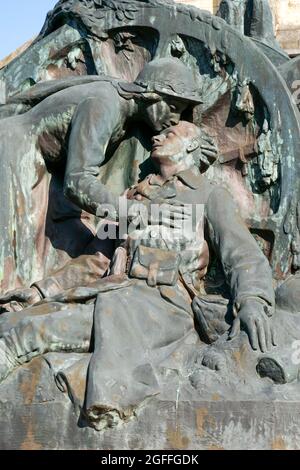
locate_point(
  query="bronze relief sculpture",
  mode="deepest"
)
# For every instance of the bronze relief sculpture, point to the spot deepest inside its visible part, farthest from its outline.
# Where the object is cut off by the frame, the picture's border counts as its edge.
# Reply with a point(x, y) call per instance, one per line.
point(196, 136)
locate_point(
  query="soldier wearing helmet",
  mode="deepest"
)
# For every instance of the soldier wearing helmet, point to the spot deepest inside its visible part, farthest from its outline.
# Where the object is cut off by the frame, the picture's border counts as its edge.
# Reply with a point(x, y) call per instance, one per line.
point(163, 90)
point(95, 118)
point(75, 124)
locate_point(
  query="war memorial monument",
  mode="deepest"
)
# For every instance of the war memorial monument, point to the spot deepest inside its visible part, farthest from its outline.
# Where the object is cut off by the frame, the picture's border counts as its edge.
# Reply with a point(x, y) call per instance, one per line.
point(150, 231)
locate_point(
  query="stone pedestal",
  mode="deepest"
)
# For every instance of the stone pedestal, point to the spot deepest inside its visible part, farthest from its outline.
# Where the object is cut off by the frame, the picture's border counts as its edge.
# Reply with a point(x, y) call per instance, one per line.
point(38, 416)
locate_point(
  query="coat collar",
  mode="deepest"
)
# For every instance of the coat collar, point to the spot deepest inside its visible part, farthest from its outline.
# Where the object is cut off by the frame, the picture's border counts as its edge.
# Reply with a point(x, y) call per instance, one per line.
point(191, 178)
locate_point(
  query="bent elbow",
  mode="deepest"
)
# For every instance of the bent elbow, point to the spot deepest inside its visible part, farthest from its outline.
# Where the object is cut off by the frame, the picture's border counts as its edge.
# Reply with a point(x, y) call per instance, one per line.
point(75, 192)
point(70, 189)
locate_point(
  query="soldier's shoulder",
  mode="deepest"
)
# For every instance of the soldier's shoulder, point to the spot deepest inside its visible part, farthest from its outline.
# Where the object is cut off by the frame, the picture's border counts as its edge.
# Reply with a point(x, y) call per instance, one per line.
point(219, 190)
point(215, 190)
point(218, 195)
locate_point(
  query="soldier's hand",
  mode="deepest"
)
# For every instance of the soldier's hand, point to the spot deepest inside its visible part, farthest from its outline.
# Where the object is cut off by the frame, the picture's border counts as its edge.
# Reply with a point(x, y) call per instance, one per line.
point(209, 148)
point(173, 214)
point(253, 319)
point(18, 299)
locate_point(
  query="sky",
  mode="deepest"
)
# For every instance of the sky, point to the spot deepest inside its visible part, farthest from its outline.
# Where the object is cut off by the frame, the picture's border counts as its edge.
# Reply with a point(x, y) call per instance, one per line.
point(21, 20)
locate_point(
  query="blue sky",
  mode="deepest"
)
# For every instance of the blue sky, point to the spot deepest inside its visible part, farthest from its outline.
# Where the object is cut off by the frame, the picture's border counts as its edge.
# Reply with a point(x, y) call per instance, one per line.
point(21, 20)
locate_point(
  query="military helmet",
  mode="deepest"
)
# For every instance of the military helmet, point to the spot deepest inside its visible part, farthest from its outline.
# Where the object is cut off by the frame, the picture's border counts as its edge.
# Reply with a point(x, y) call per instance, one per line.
point(168, 76)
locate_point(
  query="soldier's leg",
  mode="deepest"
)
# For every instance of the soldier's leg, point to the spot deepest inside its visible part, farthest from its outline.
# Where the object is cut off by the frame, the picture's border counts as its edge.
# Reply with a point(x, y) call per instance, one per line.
point(68, 330)
point(9, 320)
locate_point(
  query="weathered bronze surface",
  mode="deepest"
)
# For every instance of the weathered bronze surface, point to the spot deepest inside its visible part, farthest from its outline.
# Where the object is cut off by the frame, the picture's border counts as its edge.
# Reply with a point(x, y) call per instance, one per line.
point(149, 103)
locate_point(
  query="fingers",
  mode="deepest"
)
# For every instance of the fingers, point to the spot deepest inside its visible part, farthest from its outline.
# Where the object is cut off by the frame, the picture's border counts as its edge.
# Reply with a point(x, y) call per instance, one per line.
point(175, 206)
point(171, 222)
point(183, 210)
point(236, 328)
point(210, 148)
point(210, 154)
point(273, 336)
point(168, 211)
point(265, 334)
point(16, 307)
point(174, 216)
point(261, 335)
point(252, 334)
point(207, 138)
point(174, 203)
point(268, 334)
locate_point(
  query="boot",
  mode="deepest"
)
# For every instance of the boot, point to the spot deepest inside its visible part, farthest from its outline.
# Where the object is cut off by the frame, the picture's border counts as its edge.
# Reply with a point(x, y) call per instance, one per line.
point(279, 367)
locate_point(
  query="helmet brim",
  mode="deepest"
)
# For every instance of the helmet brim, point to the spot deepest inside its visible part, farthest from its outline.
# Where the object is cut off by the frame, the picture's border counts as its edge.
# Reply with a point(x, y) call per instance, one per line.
point(195, 99)
point(136, 88)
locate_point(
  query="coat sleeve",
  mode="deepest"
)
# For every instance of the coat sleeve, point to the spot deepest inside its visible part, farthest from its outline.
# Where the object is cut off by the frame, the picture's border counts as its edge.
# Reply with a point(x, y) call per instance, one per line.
point(246, 268)
point(78, 272)
point(93, 125)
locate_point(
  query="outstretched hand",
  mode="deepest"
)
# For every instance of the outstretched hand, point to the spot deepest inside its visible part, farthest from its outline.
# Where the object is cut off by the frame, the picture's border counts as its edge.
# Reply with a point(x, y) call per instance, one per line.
point(253, 320)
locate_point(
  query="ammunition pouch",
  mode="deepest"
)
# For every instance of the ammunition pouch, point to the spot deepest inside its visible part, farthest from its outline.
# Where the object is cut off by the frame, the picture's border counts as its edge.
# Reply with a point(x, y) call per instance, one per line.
point(156, 266)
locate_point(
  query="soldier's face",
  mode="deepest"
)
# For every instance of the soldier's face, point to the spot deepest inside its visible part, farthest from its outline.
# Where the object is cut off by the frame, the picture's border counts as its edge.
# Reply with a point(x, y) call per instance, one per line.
point(172, 143)
point(165, 113)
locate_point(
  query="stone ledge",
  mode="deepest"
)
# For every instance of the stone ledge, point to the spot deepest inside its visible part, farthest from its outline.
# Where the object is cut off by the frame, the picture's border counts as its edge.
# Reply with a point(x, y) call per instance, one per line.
point(202, 425)
point(41, 417)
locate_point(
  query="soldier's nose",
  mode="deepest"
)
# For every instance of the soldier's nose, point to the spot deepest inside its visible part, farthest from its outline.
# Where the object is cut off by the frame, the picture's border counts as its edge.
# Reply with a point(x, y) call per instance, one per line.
point(156, 139)
point(174, 121)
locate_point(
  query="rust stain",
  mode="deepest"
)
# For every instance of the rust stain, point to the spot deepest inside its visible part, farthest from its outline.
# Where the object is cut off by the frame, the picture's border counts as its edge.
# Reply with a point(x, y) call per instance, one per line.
point(169, 292)
point(29, 442)
point(240, 356)
point(211, 421)
point(81, 387)
point(21, 204)
point(63, 327)
point(278, 272)
point(50, 145)
point(28, 389)
point(176, 439)
point(8, 282)
point(237, 357)
point(15, 54)
point(77, 381)
point(31, 380)
point(215, 447)
point(201, 415)
point(216, 397)
point(108, 311)
point(278, 444)
point(57, 72)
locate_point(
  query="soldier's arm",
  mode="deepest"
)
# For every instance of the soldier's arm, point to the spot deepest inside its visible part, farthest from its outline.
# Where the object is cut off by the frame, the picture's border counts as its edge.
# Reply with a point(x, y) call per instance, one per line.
point(245, 266)
point(79, 272)
point(92, 126)
point(246, 269)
